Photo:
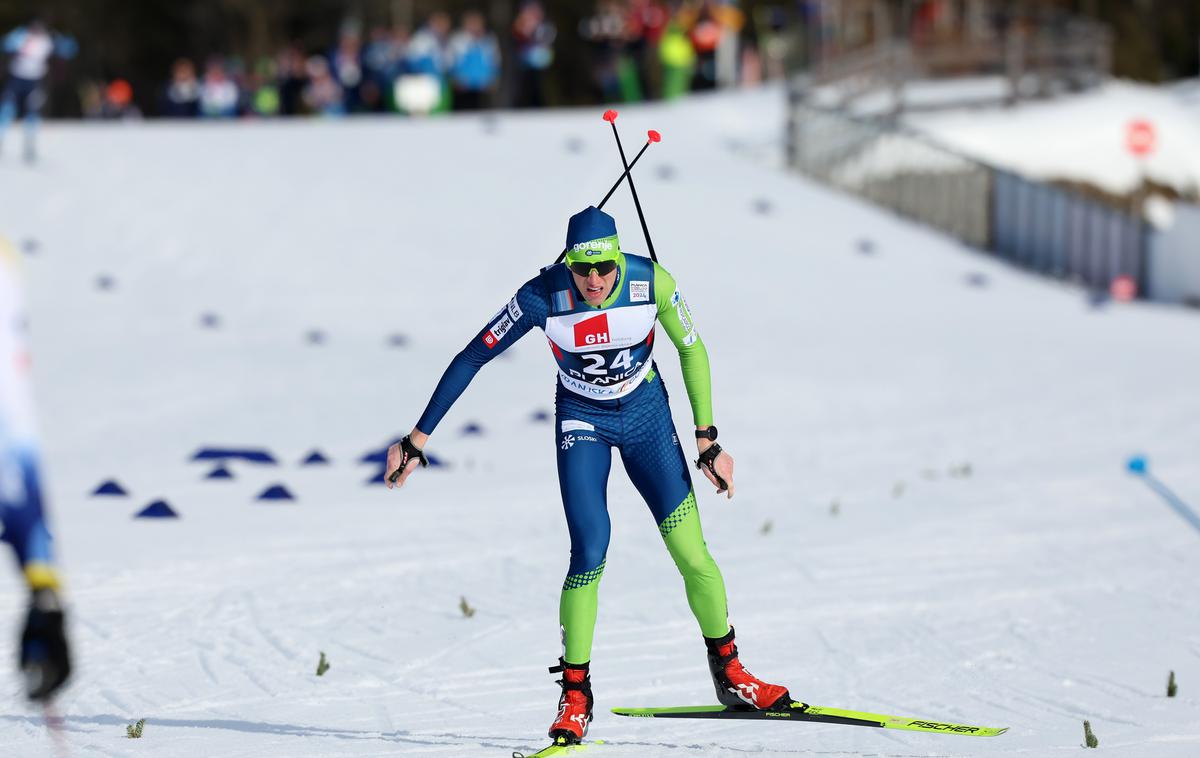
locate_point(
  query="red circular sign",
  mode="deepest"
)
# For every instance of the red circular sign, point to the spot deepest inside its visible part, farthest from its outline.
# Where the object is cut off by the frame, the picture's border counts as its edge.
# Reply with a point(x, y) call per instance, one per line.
point(1140, 137)
point(1123, 288)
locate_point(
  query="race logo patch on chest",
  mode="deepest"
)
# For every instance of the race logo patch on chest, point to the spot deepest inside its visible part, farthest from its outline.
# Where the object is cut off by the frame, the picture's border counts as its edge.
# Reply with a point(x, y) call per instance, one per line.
point(593, 331)
point(639, 292)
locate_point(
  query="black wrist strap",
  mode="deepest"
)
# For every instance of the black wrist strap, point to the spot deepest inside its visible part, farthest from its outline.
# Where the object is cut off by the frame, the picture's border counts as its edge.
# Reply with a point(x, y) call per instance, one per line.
point(706, 460)
point(410, 452)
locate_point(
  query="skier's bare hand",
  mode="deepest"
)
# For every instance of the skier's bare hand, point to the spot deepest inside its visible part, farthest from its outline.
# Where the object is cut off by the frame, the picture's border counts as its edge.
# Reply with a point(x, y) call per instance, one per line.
point(394, 456)
point(724, 466)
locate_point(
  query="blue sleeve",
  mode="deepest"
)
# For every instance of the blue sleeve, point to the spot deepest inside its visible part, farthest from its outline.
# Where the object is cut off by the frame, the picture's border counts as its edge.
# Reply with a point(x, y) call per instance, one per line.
point(528, 308)
point(23, 525)
point(12, 42)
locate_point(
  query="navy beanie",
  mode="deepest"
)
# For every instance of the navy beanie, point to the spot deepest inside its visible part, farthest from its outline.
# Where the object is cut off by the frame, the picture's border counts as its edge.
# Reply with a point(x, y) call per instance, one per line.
point(588, 225)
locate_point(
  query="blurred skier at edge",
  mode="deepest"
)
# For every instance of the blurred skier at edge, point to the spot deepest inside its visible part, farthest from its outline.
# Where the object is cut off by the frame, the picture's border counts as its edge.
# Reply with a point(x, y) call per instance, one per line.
point(31, 48)
point(598, 311)
point(44, 658)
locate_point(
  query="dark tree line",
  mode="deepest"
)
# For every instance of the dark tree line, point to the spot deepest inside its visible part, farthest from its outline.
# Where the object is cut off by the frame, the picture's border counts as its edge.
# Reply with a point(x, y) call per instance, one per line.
point(138, 40)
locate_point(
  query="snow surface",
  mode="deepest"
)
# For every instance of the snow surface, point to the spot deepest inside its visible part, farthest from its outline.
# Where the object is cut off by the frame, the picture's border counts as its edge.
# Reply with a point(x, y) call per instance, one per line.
point(1047, 587)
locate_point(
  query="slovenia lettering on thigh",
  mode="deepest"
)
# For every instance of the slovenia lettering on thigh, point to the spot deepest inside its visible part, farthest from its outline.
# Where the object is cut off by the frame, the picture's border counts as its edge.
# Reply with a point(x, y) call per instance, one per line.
point(602, 353)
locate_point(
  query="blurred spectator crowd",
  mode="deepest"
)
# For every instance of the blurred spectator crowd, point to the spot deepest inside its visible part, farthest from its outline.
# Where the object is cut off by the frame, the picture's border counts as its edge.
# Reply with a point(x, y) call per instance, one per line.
point(433, 69)
point(634, 49)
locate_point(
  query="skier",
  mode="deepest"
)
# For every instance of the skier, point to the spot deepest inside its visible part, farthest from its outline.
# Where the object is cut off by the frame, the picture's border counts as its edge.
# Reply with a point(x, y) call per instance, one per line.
point(31, 48)
point(44, 657)
point(599, 312)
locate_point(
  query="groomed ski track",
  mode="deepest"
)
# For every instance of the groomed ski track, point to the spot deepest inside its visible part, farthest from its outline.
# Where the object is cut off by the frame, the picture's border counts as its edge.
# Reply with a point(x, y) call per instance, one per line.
point(1045, 588)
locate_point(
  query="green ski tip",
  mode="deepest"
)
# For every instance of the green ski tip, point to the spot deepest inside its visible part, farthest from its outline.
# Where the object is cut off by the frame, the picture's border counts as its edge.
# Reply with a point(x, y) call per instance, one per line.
point(798, 711)
point(559, 748)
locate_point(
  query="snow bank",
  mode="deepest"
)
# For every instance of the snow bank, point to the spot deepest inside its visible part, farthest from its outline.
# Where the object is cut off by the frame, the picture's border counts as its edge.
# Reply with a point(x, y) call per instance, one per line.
point(1081, 137)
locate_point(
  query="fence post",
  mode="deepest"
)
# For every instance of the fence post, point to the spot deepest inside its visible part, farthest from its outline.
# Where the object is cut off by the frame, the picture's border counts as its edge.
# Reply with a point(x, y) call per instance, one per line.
point(1014, 60)
point(793, 106)
point(1143, 251)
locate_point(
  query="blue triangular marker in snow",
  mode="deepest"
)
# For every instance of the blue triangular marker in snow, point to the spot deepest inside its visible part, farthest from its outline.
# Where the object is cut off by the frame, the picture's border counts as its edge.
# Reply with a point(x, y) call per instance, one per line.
point(157, 509)
point(377, 477)
point(249, 454)
point(379, 455)
point(220, 472)
point(539, 416)
point(376, 456)
point(276, 492)
point(314, 458)
point(111, 488)
point(472, 428)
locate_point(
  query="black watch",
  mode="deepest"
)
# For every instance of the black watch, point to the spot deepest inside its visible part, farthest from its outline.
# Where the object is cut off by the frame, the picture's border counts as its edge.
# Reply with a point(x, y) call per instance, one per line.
point(707, 434)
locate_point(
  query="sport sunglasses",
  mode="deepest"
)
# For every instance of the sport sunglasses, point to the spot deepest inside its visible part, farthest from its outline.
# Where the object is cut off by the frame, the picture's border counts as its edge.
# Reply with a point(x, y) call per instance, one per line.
point(583, 268)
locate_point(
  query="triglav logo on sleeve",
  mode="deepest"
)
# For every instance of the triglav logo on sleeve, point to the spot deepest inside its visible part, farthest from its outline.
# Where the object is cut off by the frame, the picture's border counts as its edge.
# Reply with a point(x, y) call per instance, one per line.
point(497, 332)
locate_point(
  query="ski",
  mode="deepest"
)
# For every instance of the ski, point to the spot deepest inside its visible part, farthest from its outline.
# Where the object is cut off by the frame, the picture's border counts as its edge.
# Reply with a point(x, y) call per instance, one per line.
point(559, 747)
point(798, 711)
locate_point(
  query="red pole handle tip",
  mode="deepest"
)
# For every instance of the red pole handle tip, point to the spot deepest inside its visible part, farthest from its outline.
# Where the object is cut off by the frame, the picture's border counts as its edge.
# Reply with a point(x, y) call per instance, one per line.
point(610, 116)
point(653, 136)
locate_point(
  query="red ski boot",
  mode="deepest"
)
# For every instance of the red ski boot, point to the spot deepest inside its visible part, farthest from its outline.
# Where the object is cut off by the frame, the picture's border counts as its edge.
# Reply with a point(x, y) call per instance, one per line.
point(737, 687)
point(575, 705)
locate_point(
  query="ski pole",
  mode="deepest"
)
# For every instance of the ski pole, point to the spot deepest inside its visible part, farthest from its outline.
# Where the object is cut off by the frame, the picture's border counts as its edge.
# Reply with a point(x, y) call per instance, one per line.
point(56, 725)
point(651, 137)
point(611, 117)
point(1140, 467)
